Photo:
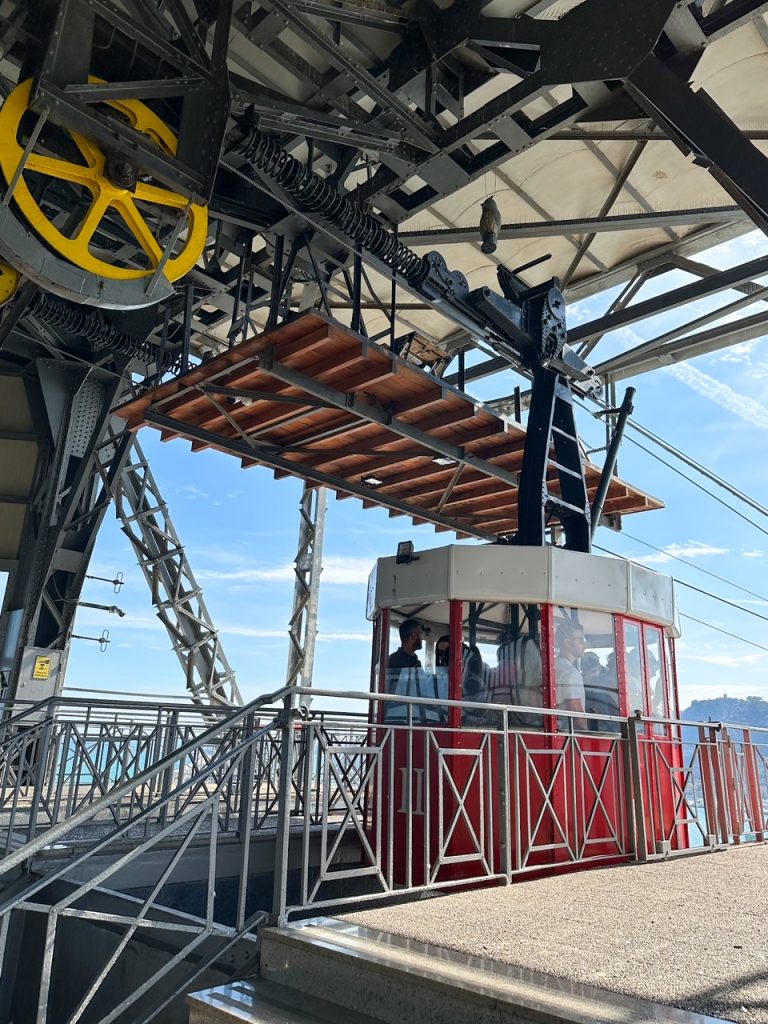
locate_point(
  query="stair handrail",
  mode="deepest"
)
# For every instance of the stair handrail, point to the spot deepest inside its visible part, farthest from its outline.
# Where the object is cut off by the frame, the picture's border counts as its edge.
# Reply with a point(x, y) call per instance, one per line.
point(84, 814)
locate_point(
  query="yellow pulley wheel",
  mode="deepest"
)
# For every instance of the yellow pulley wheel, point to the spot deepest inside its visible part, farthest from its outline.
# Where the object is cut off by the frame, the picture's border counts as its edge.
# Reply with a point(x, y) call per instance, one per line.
point(9, 282)
point(107, 198)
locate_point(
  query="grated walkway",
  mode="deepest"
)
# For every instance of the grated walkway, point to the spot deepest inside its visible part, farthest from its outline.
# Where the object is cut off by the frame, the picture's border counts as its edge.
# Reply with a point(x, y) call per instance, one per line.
point(690, 932)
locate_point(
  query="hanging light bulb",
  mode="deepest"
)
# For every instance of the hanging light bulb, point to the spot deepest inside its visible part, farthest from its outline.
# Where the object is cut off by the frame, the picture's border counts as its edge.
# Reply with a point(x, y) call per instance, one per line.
point(490, 223)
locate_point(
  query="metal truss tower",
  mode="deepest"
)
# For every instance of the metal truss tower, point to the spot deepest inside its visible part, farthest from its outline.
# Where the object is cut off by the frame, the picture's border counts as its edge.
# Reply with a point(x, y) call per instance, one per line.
point(302, 629)
point(60, 472)
point(175, 593)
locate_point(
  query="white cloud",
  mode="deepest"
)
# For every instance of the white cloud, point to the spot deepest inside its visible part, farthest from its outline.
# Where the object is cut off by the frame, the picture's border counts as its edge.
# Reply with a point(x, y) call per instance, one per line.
point(741, 353)
point(753, 554)
point(253, 631)
point(724, 660)
point(709, 387)
point(282, 634)
point(342, 571)
point(192, 491)
point(692, 549)
point(334, 637)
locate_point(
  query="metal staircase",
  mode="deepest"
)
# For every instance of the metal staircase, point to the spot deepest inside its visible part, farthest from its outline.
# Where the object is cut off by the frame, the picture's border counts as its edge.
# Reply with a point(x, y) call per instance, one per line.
point(68, 887)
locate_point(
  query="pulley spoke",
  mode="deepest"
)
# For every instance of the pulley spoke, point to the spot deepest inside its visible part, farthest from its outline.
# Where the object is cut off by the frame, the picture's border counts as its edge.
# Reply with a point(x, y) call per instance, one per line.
point(140, 229)
point(93, 217)
point(144, 213)
point(53, 167)
point(91, 152)
point(161, 196)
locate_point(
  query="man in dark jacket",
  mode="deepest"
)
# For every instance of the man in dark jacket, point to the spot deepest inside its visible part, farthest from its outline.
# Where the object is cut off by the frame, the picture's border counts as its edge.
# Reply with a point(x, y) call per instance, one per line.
point(410, 642)
point(405, 675)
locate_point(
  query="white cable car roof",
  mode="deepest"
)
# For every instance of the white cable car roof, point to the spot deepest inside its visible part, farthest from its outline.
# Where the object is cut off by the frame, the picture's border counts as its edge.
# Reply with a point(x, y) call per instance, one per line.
point(499, 575)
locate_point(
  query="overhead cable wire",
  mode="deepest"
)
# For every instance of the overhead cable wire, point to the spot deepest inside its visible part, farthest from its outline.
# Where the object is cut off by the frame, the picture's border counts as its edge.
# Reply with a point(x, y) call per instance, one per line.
point(706, 593)
point(701, 487)
point(723, 600)
point(688, 461)
point(692, 565)
point(718, 629)
point(708, 473)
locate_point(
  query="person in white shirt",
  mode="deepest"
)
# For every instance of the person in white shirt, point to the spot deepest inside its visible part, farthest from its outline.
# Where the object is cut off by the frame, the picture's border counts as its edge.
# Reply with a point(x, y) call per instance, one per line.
point(569, 638)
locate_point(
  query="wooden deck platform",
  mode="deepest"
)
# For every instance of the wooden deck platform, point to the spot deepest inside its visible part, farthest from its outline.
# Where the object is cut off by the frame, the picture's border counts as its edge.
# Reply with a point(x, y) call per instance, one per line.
point(314, 400)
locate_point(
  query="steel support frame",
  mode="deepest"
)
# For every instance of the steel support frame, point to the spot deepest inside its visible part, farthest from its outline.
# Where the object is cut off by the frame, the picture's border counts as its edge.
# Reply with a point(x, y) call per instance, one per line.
point(731, 278)
point(699, 126)
point(302, 628)
point(82, 451)
point(175, 592)
point(551, 425)
point(584, 225)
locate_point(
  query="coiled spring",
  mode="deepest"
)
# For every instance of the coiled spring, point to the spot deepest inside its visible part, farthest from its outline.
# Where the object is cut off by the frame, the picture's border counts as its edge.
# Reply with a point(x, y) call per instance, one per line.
point(93, 328)
point(314, 195)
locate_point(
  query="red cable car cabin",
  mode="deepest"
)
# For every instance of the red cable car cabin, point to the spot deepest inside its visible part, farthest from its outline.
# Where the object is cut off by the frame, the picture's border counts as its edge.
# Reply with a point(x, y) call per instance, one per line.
point(576, 642)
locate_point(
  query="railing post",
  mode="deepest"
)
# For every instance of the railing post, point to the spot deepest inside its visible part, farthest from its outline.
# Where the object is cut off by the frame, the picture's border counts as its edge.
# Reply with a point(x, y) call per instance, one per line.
point(286, 719)
point(168, 773)
point(728, 754)
point(40, 750)
point(635, 794)
point(505, 823)
point(757, 820)
point(245, 812)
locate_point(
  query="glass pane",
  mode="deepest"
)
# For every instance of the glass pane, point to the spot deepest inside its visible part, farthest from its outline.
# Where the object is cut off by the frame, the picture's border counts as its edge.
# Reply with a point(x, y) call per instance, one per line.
point(411, 672)
point(653, 664)
point(674, 710)
point(502, 661)
point(633, 669)
point(585, 667)
point(598, 669)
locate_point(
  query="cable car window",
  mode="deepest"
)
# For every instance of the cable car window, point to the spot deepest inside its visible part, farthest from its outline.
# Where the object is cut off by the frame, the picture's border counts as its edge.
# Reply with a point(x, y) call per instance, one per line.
point(598, 669)
point(669, 661)
point(633, 669)
point(412, 672)
point(585, 667)
point(502, 661)
point(657, 690)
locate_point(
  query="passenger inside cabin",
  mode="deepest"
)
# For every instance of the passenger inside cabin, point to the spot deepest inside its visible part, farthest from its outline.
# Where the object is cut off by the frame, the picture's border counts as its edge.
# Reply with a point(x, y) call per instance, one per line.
point(474, 678)
point(600, 693)
point(570, 641)
point(403, 667)
point(407, 678)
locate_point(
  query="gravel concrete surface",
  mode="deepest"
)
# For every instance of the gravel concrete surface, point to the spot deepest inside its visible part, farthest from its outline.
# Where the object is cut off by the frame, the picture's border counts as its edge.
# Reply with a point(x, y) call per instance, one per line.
point(690, 932)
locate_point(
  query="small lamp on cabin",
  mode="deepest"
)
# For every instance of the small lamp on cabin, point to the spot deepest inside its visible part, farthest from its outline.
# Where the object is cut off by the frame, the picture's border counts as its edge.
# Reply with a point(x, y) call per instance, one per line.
point(405, 553)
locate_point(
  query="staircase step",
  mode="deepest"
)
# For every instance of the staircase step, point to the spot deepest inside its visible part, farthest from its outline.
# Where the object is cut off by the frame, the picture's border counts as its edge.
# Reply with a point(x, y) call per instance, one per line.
point(400, 980)
point(264, 1002)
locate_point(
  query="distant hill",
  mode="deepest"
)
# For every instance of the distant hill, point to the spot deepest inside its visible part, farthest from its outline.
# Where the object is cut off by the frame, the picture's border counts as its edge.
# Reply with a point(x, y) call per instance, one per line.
point(750, 711)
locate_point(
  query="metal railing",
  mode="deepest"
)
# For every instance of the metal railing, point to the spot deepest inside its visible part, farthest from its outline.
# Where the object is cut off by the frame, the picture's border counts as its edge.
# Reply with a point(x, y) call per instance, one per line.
point(181, 799)
point(61, 755)
point(435, 807)
point(367, 809)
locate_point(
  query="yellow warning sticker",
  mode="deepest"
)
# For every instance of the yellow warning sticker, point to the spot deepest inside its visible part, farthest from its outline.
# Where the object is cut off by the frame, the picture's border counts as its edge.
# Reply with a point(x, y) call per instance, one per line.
point(42, 669)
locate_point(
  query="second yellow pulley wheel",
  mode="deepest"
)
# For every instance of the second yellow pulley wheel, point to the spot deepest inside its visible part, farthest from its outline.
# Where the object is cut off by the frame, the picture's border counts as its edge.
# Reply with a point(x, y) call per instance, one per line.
point(133, 203)
point(9, 282)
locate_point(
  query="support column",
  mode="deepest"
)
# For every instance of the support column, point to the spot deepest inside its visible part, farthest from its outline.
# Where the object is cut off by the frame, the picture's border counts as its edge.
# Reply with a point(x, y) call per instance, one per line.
point(302, 629)
point(81, 449)
point(176, 595)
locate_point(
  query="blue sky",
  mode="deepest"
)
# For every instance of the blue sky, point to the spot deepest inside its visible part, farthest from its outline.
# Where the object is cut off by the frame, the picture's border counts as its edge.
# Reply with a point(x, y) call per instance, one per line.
point(240, 530)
